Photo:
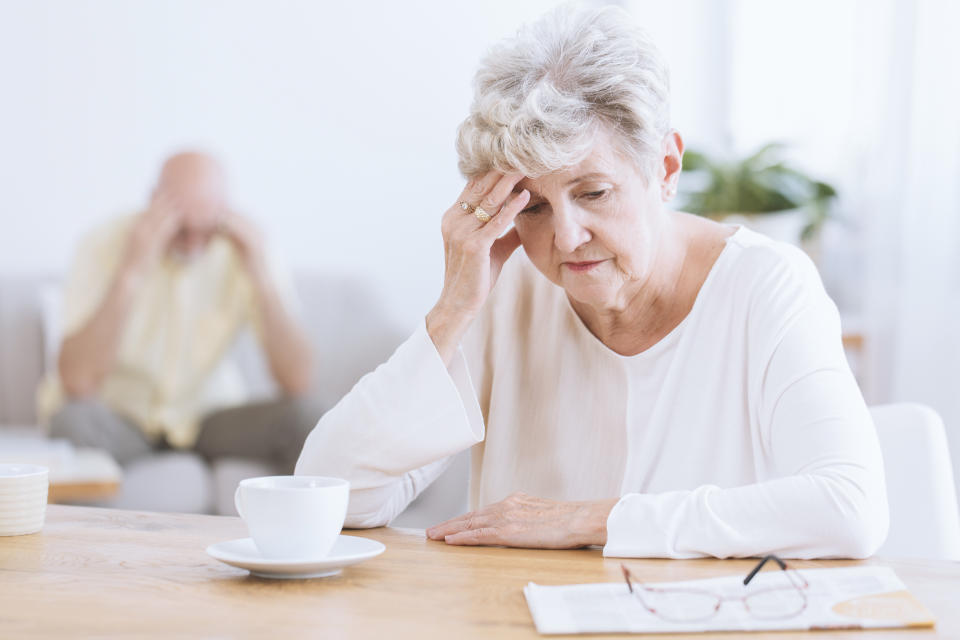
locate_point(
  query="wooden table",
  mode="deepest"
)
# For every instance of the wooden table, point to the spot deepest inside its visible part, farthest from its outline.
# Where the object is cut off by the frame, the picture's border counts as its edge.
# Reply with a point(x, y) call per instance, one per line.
point(101, 572)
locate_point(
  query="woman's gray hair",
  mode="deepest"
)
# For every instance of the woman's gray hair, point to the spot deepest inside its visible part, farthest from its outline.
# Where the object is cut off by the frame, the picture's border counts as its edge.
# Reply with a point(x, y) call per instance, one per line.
point(541, 96)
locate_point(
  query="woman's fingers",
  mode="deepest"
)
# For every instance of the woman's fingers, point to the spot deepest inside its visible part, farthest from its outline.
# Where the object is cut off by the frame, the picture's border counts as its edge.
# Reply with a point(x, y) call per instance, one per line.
point(474, 537)
point(465, 522)
point(520, 520)
point(497, 225)
point(438, 531)
point(489, 191)
point(476, 188)
point(495, 198)
point(459, 222)
point(467, 232)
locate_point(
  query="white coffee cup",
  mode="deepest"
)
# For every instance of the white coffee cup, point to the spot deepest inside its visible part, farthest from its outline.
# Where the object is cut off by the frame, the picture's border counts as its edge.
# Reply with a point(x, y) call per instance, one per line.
point(293, 517)
point(23, 498)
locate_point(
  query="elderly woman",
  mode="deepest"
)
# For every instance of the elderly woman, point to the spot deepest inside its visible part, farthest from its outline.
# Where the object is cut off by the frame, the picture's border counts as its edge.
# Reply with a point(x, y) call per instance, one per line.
point(636, 377)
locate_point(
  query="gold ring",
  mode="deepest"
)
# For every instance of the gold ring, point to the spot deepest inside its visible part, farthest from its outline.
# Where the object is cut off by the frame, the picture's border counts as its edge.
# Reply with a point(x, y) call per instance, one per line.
point(482, 215)
point(464, 205)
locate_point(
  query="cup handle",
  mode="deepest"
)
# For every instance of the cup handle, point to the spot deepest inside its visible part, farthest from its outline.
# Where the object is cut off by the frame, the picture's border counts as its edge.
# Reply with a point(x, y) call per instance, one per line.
point(237, 501)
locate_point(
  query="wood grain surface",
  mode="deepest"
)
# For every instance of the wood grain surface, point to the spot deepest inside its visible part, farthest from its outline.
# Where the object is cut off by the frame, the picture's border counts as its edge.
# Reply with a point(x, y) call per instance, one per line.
point(110, 573)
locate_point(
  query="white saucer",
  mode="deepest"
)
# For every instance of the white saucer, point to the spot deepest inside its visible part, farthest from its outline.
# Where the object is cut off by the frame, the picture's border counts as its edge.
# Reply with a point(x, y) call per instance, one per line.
point(347, 550)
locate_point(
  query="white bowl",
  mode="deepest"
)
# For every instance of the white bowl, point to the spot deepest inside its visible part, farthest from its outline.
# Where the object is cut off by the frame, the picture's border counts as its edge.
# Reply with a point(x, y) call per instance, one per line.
point(23, 507)
point(16, 487)
point(15, 471)
point(19, 505)
point(39, 497)
point(7, 486)
point(15, 520)
point(32, 512)
point(12, 480)
point(21, 520)
point(18, 514)
point(17, 479)
point(31, 490)
point(23, 498)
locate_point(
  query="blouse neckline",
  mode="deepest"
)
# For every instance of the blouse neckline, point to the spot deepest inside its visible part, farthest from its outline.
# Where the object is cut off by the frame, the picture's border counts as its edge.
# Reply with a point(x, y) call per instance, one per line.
point(674, 334)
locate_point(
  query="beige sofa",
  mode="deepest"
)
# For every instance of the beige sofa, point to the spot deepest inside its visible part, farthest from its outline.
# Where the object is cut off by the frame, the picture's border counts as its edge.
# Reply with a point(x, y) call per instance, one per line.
point(351, 334)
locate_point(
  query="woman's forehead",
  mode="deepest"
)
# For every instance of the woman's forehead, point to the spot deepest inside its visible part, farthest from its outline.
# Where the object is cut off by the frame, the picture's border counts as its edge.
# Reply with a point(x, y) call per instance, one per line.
point(602, 163)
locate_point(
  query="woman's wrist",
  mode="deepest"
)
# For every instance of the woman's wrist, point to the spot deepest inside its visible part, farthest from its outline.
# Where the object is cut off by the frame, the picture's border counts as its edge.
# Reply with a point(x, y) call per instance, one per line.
point(445, 328)
point(593, 524)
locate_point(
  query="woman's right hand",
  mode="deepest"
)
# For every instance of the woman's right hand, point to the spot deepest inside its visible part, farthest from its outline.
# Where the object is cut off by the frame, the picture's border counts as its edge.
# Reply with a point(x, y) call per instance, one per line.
point(474, 253)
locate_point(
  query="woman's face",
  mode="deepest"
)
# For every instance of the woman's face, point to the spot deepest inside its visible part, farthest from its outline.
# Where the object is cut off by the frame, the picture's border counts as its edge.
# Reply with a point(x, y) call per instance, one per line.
point(595, 228)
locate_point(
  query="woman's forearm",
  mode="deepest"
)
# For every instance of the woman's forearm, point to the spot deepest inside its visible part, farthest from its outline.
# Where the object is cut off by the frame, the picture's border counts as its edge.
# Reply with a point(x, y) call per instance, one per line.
point(408, 413)
point(830, 513)
point(593, 527)
point(446, 329)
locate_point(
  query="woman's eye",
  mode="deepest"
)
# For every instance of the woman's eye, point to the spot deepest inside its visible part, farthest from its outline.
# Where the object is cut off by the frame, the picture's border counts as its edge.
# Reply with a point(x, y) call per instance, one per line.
point(594, 195)
point(531, 209)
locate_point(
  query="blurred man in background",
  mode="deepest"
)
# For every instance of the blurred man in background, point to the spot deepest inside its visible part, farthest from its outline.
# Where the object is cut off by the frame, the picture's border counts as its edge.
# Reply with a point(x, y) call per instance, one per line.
point(153, 305)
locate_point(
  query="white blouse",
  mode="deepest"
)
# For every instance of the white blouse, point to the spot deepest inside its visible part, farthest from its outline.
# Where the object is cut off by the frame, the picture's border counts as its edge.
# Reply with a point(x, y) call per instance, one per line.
point(740, 433)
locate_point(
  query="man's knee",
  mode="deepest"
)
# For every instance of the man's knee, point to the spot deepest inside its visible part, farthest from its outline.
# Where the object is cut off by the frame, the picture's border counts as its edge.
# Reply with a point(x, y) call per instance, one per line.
point(73, 419)
point(89, 423)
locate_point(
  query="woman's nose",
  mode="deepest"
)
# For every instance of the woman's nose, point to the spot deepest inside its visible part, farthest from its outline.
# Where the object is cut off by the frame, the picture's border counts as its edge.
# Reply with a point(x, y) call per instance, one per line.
point(568, 231)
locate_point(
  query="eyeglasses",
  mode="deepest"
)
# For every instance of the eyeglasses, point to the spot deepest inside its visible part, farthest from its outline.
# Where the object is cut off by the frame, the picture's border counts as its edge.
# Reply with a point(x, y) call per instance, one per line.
point(692, 605)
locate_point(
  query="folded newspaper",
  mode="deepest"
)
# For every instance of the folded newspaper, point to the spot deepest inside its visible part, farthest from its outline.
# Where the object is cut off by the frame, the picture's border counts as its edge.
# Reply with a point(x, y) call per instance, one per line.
point(842, 598)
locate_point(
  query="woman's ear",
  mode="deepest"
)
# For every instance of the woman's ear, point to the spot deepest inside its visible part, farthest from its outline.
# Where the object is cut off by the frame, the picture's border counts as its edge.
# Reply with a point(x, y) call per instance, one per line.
point(672, 163)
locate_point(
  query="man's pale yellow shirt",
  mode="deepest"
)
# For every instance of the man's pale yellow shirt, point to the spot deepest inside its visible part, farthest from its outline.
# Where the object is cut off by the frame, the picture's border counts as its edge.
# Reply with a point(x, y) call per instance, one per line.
point(171, 368)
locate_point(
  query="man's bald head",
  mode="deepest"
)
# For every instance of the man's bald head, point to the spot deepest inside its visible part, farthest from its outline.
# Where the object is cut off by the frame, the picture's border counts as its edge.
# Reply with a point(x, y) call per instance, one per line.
point(190, 169)
point(195, 184)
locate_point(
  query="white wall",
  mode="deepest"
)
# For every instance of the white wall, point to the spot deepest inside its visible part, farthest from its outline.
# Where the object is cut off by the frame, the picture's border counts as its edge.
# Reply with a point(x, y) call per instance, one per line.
point(336, 120)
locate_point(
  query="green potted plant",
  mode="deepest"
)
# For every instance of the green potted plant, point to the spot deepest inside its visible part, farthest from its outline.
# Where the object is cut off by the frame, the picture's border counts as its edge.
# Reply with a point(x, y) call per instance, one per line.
point(759, 191)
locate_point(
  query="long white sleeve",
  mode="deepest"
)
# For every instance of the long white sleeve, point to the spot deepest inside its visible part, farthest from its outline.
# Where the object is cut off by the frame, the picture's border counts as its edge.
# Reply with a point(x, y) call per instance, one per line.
point(394, 432)
point(826, 496)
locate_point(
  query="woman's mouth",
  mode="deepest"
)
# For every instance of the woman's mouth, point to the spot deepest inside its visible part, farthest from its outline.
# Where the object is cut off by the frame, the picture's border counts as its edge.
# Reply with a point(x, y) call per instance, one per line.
point(580, 267)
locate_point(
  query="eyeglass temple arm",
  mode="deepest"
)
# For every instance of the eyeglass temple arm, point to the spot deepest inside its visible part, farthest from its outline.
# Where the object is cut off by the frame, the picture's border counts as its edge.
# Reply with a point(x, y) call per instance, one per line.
point(756, 569)
point(626, 576)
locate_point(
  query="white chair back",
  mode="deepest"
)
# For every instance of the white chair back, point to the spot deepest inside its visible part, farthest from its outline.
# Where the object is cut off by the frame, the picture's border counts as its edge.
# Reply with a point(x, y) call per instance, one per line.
point(924, 519)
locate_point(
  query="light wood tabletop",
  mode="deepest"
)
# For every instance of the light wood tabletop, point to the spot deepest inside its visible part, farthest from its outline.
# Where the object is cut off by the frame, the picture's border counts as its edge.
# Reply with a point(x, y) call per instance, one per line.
point(101, 572)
